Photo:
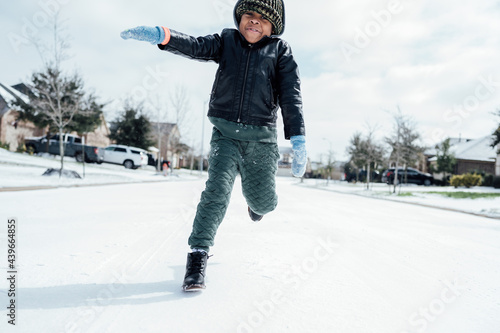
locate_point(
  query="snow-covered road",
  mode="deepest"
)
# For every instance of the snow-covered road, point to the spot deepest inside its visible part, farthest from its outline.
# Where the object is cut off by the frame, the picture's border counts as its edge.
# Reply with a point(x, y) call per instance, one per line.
point(111, 259)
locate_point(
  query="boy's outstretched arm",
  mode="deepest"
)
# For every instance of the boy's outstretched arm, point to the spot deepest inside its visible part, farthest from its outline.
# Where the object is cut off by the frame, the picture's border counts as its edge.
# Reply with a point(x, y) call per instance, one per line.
point(201, 48)
point(153, 35)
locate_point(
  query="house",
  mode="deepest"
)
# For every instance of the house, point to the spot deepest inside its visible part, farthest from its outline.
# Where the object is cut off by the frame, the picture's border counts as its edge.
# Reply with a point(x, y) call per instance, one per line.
point(497, 167)
point(14, 132)
point(169, 146)
point(473, 155)
point(100, 136)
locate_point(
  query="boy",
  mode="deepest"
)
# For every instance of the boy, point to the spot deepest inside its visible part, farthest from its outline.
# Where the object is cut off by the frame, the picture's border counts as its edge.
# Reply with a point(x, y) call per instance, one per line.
point(257, 74)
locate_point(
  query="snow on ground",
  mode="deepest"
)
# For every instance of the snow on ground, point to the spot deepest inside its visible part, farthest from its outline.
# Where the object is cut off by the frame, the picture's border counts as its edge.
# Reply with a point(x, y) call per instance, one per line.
point(22, 170)
point(418, 195)
point(111, 259)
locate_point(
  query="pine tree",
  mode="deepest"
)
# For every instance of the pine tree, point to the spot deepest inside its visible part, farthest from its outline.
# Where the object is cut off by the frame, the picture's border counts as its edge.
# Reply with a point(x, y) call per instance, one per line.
point(132, 128)
point(496, 136)
point(445, 159)
point(89, 118)
point(355, 151)
point(365, 153)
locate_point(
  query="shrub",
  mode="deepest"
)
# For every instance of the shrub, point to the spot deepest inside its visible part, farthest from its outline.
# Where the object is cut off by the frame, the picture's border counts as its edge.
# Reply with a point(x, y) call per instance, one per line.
point(467, 180)
point(30, 150)
point(470, 180)
point(456, 180)
point(487, 180)
point(496, 182)
point(4, 145)
point(21, 148)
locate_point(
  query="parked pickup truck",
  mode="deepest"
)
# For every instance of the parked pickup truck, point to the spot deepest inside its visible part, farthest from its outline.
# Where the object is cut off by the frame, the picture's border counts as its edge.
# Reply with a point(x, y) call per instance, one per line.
point(72, 147)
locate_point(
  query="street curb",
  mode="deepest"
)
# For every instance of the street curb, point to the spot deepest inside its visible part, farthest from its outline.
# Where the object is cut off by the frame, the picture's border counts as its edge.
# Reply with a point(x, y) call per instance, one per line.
point(54, 187)
point(47, 187)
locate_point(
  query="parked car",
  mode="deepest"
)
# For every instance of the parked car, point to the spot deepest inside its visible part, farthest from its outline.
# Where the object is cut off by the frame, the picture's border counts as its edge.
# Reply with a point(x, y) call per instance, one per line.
point(129, 157)
point(351, 176)
point(413, 176)
point(73, 147)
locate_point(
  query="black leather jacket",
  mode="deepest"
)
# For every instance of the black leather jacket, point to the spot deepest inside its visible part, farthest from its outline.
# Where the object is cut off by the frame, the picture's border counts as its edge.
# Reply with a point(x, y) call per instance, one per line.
point(252, 79)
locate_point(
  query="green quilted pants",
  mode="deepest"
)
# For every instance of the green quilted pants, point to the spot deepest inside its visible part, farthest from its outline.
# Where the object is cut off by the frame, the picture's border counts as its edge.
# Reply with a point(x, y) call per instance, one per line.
point(256, 162)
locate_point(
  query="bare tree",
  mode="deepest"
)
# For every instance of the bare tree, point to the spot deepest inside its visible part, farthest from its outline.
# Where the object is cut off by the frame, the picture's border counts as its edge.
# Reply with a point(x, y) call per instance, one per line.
point(395, 142)
point(404, 144)
point(56, 98)
point(169, 116)
point(160, 115)
point(374, 154)
point(179, 101)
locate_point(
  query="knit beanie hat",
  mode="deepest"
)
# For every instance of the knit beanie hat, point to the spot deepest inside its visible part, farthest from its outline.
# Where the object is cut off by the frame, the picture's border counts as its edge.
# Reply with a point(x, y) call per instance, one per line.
point(272, 10)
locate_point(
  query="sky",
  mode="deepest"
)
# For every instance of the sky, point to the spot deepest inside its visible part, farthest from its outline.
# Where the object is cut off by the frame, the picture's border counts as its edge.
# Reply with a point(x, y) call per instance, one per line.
point(359, 62)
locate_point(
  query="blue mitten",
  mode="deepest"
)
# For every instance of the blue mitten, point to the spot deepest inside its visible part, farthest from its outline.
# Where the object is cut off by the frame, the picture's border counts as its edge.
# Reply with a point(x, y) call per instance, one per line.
point(299, 155)
point(154, 35)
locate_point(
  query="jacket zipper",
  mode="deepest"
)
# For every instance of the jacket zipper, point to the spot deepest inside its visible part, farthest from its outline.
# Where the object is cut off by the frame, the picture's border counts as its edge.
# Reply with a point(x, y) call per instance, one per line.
point(244, 84)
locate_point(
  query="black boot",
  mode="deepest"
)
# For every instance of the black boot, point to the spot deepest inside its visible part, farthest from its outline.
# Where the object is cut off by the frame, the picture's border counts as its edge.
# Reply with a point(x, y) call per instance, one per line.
point(255, 217)
point(195, 271)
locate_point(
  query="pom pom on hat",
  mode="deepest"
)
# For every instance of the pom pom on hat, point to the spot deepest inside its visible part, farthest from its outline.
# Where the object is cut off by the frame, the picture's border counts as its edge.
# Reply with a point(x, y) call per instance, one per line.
point(272, 10)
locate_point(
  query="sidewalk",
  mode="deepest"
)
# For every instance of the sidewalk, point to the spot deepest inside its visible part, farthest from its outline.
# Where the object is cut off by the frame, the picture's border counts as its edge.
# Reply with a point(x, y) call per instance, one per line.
point(22, 172)
point(413, 194)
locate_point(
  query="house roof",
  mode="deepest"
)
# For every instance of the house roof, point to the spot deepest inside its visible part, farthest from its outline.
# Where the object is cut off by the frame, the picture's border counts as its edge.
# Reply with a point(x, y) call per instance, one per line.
point(5, 98)
point(432, 151)
point(4, 107)
point(12, 94)
point(474, 150)
point(8, 95)
point(23, 88)
point(478, 150)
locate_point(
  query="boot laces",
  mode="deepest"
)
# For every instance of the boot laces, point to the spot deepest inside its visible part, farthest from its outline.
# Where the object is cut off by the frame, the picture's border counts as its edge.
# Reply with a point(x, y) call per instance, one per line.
point(196, 265)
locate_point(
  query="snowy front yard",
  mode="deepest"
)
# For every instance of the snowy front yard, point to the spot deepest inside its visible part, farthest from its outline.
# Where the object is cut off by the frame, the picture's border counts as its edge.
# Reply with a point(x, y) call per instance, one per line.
point(22, 170)
point(485, 201)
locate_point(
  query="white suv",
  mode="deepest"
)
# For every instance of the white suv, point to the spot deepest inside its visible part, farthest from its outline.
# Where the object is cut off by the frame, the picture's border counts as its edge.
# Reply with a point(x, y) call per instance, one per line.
point(129, 157)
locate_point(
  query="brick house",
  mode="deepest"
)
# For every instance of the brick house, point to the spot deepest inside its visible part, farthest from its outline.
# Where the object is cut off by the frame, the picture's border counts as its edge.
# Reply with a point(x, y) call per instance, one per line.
point(474, 155)
point(14, 132)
